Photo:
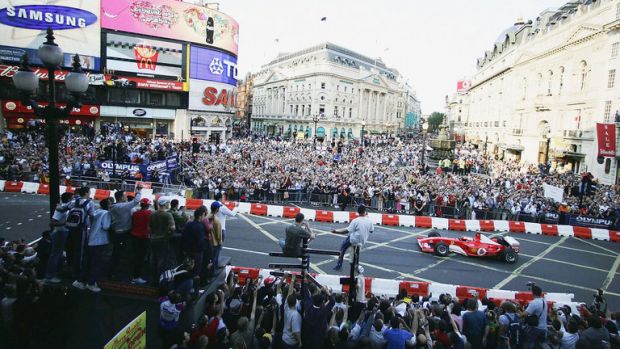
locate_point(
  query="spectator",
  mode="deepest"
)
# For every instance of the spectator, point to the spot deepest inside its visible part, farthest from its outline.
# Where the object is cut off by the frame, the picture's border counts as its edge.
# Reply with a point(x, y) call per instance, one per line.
point(222, 213)
point(121, 213)
point(395, 337)
point(98, 239)
point(216, 235)
point(161, 226)
point(475, 325)
point(536, 319)
point(316, 313)
point(170, 310)
point(596, 335)
point(359, 230)
point(180, 219)
point(294, 234)
point(140, 239)
point(58, 239)
point(79, 217)
point(194, 239)
point(291, 329)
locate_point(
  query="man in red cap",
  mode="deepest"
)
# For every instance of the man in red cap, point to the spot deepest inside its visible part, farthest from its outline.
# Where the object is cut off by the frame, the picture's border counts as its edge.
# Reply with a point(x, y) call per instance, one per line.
point(140, 237)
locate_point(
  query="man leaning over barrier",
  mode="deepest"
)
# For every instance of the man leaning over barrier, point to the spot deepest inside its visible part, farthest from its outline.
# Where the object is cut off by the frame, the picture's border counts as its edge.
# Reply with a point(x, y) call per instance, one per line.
point(359, 230)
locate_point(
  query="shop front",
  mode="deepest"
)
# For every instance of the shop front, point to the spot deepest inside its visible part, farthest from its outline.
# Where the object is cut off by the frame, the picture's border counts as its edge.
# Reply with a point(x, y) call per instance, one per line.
point(18, 116)
point(144, 122)
point(213, 127)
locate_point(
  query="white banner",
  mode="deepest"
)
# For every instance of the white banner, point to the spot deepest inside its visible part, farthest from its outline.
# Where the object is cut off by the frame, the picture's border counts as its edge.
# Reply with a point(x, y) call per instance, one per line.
point(212, 96)
point(553, 192)
point(143, 56)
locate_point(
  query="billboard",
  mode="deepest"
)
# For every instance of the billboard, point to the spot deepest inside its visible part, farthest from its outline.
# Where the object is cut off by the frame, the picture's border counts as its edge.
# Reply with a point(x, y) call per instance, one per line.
point(143, 57)
point(211, 65)
point(8, 70)
point(463, 85)
point(212, 96)
point(606, 136)
point(173, 20)
point(75, 23)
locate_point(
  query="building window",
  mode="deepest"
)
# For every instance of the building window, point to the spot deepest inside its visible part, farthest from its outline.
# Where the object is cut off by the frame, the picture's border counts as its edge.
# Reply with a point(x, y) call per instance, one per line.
point(322, 98)
point(614, 49)
point(291, 109)
point(550, 82)
point(321, 109)
point(309, 86)
point(296, 110)
point(337, 87)
point(607, 112)
point(303, 110)
point(561, 81)
point(611, 78)
point(345, 89)
point(618, 11)
point(115, 95)
point(323, 85)
point(524, 88)
point(350, 113)
point(156, 98)
point(173, 99)
point(336, 111)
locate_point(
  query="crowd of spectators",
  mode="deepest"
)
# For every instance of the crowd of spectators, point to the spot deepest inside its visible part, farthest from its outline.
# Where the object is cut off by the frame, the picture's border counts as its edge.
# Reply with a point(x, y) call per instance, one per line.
point(278, 313)
point(386, 174)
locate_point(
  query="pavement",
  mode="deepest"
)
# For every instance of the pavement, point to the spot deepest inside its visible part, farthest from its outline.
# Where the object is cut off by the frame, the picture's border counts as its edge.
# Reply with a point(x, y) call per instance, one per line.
point(566, 265)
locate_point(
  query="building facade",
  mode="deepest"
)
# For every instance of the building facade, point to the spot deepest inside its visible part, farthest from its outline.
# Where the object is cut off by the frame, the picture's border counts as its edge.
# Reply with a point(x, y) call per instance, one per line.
point(176, 80)
point(337, 87)
point(542, 87)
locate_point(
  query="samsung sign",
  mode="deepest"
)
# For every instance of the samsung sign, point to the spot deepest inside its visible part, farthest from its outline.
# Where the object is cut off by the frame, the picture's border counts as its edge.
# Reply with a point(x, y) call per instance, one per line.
point(46, 16)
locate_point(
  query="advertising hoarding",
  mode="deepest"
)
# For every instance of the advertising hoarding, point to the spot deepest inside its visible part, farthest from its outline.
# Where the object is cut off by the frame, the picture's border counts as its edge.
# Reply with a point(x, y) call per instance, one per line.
point(75, 23)
point(463, 85)
point(211, 65)
point(143, 57)
point(212, 96)
point(606, 136)
point(173, 20)
point(8, 70)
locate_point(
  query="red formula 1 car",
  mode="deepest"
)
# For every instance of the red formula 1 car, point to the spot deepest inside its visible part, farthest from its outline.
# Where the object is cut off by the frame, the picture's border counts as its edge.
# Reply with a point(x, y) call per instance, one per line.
point(502, 247)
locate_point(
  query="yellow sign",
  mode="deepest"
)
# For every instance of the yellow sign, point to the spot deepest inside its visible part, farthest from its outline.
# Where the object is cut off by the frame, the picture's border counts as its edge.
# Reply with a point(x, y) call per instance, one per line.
point(300, 135)
point(133, 336)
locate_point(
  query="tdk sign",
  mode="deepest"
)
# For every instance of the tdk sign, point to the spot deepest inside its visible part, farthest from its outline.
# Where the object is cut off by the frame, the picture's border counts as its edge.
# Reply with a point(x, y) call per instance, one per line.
point(211, 65)
point(46, 16)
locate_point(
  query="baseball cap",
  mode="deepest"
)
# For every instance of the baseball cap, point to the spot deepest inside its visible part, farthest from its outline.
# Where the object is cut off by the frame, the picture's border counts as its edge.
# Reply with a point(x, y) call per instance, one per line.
point(216, 205)
point(163, 201)
point(145, 201)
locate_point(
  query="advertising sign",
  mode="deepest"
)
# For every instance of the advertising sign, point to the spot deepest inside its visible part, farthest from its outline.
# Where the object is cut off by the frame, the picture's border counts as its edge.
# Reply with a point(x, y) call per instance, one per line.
point(7, 71)
point(131, 336)
point(75, 24)
point(212, 96)
point(591, 222)
point(162, 166)
point(463, 85)
point(16, 107)
point(606, 136)
point(143, 57)
point(211, 65)
point(142, 83)
point(173, 20)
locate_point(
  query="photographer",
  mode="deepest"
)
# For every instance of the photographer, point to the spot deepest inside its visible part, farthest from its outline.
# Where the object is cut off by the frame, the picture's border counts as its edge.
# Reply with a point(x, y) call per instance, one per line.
point(291, 246)
point(535, 316)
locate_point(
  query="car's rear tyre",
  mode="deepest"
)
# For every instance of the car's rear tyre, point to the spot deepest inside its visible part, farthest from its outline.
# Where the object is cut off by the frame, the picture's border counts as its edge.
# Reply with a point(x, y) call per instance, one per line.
point(434, 234)
point(510, 256)
point(441, 249)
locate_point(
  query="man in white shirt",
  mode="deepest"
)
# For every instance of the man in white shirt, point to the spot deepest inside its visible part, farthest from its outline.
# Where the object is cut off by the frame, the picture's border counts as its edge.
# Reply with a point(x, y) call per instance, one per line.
point(359, 230)
point(222, 213)
point(291, 332)
point(59, 238)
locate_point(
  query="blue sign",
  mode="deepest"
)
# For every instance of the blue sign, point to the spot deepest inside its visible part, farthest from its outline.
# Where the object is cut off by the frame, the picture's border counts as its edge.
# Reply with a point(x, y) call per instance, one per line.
point(208, 64)
point(591, 222)
point(163, 166)
point(42, 17)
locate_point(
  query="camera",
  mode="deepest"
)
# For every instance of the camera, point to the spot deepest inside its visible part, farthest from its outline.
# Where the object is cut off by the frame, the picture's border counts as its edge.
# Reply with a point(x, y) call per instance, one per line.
point(530, 284)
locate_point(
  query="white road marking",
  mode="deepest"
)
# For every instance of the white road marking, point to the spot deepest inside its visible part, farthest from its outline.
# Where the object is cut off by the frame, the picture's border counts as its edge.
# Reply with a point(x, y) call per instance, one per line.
point(247, 251)
point(522, 267)
point(8, 228)
point(611, 274)
point(30, 219)
point(597, 246)
point(258, 227)
point(570, 248)
point(20, 223)
point(39, 216)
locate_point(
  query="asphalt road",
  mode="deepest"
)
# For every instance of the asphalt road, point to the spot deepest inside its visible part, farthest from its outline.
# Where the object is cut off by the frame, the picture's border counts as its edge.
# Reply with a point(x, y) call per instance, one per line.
point(566, 265)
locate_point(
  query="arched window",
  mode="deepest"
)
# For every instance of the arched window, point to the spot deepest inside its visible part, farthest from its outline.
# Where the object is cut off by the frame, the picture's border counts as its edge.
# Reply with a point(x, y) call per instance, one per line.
point(540, 86)
point(549, 82)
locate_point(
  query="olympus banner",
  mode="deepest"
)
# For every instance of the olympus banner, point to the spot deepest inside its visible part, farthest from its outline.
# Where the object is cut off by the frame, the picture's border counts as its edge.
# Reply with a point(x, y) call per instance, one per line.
point(147, 171)
point(591, 222)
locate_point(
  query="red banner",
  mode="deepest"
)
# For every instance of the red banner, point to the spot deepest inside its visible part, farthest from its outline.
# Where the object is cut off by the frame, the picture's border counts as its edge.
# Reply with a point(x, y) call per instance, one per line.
point(606, 135)
point(463, 85)
point(14, 108)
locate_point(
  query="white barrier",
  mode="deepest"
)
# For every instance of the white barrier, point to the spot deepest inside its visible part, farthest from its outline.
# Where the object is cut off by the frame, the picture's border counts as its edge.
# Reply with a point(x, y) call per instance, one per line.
point(275, 211)
point(30, 188)
point(341, 217)
point(406, 221)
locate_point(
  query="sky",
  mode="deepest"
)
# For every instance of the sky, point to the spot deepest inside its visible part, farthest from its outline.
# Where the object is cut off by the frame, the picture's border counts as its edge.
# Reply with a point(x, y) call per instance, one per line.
point(431, 43)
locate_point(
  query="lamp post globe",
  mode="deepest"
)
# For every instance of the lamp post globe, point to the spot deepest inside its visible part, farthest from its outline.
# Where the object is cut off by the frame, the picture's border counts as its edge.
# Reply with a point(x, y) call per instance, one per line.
point(26, 81)
point(76, 81)
point(49, 52)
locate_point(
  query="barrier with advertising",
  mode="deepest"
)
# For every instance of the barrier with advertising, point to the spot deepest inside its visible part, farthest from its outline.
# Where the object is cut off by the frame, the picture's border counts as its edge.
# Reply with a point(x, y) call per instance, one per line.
point(591, 222)
point(173, 20)
point(211, 65)
point(75, 24)
point(163, 166)
point(131, 336)
point(212, 96)
point(143, 57)
point(8, 70)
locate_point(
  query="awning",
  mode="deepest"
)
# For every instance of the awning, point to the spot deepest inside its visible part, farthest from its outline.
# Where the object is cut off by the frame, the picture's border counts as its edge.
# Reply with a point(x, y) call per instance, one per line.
point(511, 147)
point(320, 132)
point(571, 154)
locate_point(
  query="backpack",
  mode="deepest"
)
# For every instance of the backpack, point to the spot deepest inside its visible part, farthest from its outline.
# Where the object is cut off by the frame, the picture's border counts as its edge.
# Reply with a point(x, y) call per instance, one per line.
point(76, 218)
point(166, 279)
point(515, 333)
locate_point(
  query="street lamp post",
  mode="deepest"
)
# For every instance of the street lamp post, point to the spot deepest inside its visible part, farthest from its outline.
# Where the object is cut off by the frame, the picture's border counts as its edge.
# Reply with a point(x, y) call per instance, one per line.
point(315, 119)
point(76, 82)
point(362, 136)
point(424, 133)
point(548, 137)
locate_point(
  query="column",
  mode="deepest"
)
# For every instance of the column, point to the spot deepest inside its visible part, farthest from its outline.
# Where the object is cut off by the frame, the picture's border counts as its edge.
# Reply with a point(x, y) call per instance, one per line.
point(377, 111)
point(368, 116)
point(385, 116)
point(359, 116)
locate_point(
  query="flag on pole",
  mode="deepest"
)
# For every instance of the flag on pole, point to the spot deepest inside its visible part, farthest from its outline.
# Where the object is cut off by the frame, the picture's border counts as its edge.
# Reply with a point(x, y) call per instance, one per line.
point(323, 19)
